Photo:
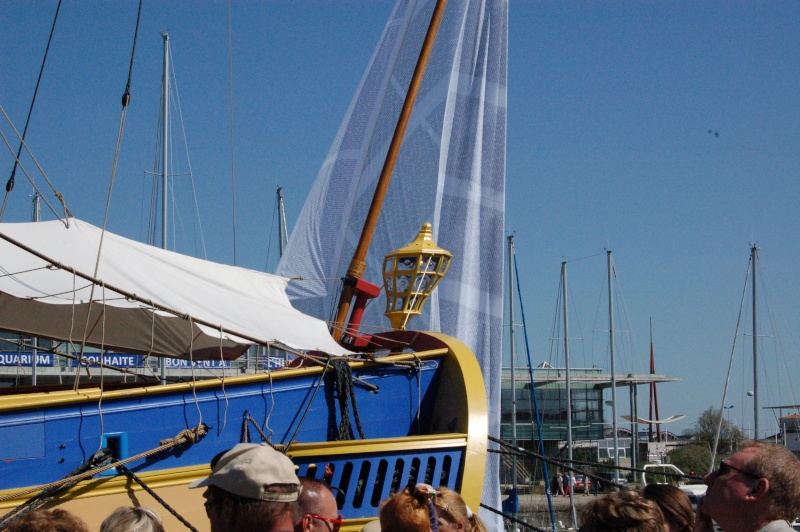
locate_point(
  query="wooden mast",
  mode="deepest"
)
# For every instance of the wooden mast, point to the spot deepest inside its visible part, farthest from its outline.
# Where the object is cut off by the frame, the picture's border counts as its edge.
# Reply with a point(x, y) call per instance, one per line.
point(357, 265)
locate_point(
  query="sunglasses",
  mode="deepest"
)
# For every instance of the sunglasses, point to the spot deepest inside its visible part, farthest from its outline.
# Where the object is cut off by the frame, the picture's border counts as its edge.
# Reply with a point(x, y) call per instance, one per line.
point(333, 524)
point(725, 468)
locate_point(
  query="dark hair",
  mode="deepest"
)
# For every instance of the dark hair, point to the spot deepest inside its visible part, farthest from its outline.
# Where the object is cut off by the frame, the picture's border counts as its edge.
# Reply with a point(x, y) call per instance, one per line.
point(56, 520)
point(624, 511)
point(674, 504)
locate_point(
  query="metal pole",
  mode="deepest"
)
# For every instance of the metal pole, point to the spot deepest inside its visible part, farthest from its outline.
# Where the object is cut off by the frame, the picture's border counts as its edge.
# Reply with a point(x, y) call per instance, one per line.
point(613, 362)
point(164, 165)
point(35, 340)
point(753, 260)
point(569, 394)
point(512, 349)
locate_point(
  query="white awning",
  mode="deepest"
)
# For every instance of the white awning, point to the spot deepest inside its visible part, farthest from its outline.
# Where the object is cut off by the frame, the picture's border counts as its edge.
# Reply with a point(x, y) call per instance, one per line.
point(664, 421)
point(38, 299)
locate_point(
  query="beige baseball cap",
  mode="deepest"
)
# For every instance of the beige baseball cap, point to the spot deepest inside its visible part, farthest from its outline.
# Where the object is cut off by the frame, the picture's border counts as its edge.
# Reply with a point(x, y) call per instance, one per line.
point(252, 470)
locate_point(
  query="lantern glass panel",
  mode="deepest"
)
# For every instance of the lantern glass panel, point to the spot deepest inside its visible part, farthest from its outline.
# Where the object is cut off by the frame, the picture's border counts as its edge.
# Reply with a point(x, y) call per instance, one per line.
point(407, 263)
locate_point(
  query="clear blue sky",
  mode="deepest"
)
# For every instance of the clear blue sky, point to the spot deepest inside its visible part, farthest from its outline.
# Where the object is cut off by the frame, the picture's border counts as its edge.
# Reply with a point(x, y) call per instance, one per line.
point(610, 105)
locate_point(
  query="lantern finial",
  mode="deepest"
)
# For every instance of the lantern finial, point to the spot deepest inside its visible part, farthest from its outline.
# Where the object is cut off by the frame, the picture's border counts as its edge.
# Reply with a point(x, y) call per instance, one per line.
point(410, 274)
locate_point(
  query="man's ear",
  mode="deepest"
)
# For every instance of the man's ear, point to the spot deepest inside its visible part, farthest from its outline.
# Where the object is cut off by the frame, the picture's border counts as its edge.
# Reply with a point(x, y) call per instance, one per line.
point(759, 489)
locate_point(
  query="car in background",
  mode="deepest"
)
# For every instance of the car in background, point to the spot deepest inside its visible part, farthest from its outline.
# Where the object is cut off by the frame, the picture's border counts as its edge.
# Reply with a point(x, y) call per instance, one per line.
point(583, 484)
point(611, 476)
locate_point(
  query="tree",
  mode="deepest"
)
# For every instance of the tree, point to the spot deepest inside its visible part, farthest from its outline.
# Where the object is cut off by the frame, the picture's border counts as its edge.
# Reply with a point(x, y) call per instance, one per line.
point(696, 455)
point(705, 429)
point(691, 457)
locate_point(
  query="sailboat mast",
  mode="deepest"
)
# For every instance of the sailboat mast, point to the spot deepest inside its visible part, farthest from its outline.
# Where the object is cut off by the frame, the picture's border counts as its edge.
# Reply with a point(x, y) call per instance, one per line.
point(164, 141)
point(164, 164)
point(512, 350)
point(753, 260)
point(613, 362)
point(568, 386)
point(355, 270)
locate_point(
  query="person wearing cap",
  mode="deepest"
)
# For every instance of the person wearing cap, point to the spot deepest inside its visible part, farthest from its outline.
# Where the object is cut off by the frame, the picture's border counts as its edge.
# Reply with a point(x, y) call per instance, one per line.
point(251, 487)
point(318, 509)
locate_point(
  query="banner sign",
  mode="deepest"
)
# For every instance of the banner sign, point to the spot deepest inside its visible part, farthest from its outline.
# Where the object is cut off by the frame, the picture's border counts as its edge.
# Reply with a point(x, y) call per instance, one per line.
point(24, 358)
point(120, 360)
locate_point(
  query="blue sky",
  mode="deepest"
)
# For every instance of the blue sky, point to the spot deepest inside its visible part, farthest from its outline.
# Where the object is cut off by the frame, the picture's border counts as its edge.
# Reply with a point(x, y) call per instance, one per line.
point(610, 105)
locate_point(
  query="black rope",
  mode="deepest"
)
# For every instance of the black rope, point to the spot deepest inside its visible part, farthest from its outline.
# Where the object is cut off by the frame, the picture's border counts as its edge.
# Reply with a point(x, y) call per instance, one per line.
point(126, 96)
point(130, 474)
point(10, 183)
point(346, 393)
point(515, 520)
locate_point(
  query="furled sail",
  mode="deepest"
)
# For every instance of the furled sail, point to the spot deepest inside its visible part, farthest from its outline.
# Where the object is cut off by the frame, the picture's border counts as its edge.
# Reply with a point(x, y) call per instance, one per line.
point(450, 171)
point(40, 299)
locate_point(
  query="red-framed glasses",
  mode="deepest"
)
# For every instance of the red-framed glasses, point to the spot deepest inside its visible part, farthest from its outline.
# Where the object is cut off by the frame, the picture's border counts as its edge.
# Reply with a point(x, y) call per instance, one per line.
point(335, 522)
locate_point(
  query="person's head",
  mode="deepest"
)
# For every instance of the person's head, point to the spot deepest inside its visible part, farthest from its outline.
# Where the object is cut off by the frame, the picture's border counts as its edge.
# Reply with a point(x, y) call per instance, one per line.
point(674, 504)
point(318, 509)
point(453, 513)
point(760, 483)
point(623, 511)
point(406, 511)
point(136, 519)
point(251, 487)
point(56, 520)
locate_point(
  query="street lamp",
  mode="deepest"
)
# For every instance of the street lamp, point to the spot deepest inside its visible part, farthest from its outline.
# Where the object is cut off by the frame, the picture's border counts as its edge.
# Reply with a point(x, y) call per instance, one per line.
point(728, 408)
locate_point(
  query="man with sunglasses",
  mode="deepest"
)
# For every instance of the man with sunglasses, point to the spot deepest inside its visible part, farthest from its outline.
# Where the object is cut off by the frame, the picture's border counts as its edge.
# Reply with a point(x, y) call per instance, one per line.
point(251, 487)
point(318, 508)
point(757, 488)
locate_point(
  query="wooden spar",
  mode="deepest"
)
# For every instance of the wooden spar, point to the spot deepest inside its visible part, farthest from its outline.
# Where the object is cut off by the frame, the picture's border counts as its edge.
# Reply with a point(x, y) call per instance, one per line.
point(357, 265)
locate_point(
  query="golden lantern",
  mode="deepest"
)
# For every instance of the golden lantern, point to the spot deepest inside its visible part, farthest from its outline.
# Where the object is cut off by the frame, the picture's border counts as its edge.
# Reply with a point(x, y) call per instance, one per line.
point(410, 274)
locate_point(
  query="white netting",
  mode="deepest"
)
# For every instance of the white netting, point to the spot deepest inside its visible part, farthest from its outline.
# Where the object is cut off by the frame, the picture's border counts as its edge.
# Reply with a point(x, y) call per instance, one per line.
point(450, 171)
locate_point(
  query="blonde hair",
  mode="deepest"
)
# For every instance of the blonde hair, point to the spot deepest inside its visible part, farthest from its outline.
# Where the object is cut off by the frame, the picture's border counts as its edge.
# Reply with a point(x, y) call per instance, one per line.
point(452, 508)
point(136, 519)
point(405, 512)
point(625, 511)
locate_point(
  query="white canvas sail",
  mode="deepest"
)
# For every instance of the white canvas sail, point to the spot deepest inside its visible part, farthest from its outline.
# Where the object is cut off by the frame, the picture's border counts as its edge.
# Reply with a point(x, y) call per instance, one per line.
point(450, 171)
point(39, 299)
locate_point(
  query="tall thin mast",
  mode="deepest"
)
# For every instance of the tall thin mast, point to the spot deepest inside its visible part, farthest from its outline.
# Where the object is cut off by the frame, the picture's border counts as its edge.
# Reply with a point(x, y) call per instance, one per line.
point(613, 363)
point(164, 140)
point(753, 260)
point(568, 385)
point(355, 270)
point(512, 349)
point(35, 341)
point(164, 163)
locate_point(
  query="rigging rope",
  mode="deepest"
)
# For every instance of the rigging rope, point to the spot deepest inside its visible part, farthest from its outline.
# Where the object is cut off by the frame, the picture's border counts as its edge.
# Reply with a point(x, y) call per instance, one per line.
point(346, 393)
point(100, 458)
point(10, 183)
point(130, 474)
point(190, 436)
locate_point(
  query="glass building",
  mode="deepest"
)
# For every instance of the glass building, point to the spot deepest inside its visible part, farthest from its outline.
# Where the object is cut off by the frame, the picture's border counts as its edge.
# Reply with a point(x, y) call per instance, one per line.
point(551, 399)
